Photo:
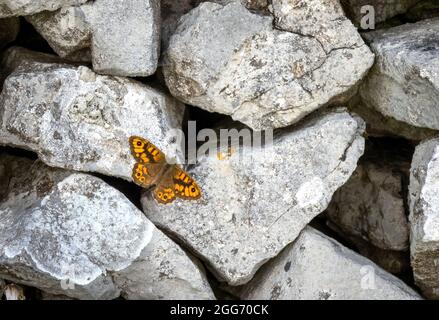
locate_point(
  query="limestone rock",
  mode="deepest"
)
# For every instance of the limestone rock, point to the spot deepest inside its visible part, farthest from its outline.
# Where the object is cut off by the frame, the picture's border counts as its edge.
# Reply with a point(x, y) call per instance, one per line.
point(124, 36)
point(163, 271)
point(220, 58)
point(9, 8)
point(317, 267)
point(424, 217)
point(370, 211)
point(171, 12)
point(378, 125)
point(72, 234)
point(14, 56)
point(259, 6)
point(255, 201)
point(76, 119)
point(403, 84)
point(66, 30)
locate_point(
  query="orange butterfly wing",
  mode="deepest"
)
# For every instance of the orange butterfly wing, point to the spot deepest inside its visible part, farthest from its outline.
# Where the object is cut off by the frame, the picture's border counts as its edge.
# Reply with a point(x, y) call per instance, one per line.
point(185, 187)
point(164, 192)
point(151, 168)
point(150, 161)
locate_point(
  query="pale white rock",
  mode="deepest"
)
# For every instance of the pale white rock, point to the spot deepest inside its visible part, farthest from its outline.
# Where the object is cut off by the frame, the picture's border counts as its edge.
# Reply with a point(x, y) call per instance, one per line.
point(370, 211)
point(324, 21)
point(10, 8)
point(381, 9)
point(253, 205)
point(424, 217)
point(220, 58)
point(163, 271)
point(371, 205)
point(172, 11)
point(403, 84)
point(14, 56)
point(76, 119)
point(119, 37)
point(378, 125)
point(125, 36)
point(316, 267)
point(72, 234)
point(66, 31)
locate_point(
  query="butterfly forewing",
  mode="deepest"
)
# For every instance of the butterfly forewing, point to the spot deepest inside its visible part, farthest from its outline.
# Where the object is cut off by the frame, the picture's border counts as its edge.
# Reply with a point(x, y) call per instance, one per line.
point(185, 187)
point(150, 161)
point(145, 152)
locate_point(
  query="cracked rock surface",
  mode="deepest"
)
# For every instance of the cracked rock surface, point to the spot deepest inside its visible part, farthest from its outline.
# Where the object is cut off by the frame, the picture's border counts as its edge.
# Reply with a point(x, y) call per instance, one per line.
point(316, 267)
point(72, 234)
point(220, 58)
point(339, 202)
point(403, 84)
point(76, 119)
point(296, 176)
point(424, 216)
point(10, 8)
point(119, 37)
point(379, 125)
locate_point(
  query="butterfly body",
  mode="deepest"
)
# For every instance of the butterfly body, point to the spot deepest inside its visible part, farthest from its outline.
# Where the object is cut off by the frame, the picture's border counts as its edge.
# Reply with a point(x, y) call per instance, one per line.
point(151, 169)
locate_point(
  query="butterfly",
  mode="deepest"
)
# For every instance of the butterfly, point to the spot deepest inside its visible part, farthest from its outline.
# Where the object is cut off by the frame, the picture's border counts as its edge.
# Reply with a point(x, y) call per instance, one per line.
point(151, 169)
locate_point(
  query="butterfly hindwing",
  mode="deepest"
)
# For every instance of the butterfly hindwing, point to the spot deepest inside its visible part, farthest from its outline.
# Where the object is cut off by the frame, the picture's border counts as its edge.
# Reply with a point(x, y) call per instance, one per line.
point(185, 187)
point(145, 174)
point(164, 191)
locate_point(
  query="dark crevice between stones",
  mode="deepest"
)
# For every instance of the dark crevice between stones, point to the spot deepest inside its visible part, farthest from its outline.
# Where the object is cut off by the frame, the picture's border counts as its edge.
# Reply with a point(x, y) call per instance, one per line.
point(128, 189)
point(30, 293)
point(16, 152)
point(203, 120)
point(321, 223)
point(394, 21)
point(29, 38)
point(389, 149)
point(397, 152)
